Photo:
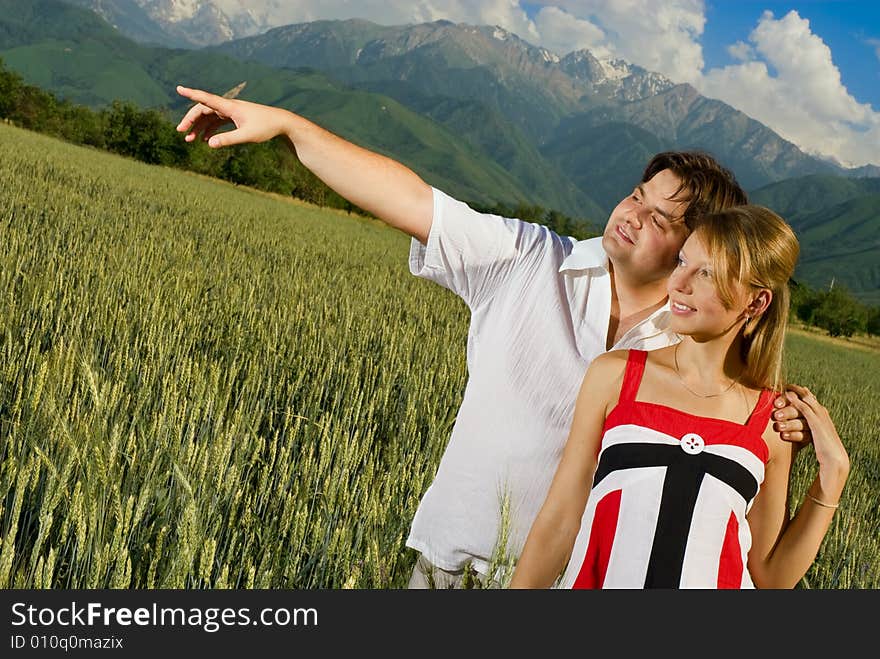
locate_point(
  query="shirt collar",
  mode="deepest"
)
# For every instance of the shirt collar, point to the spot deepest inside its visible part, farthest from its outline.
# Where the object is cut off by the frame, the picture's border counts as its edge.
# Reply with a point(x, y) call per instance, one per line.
point(586, 255)
point(590, 255)
point(662, 318)
point(657, 323)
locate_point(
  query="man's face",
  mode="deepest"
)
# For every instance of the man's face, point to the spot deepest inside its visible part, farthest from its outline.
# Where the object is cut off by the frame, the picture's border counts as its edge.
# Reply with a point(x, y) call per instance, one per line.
point(646, 230)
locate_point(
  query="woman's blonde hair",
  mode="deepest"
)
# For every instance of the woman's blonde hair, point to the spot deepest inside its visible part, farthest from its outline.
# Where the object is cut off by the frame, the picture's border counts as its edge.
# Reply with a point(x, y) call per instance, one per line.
point(751, 246)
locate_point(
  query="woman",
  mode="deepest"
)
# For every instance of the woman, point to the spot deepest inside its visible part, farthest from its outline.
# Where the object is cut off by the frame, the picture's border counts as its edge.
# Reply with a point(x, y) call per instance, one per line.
point(689, 479)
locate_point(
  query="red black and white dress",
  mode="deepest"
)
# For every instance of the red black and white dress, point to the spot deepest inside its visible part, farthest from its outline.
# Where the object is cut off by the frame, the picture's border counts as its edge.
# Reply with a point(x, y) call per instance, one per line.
point(670, 495)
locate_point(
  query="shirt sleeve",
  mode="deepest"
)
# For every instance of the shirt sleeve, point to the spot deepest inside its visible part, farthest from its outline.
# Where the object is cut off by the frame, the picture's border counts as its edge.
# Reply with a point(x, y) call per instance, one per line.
point(473, 254)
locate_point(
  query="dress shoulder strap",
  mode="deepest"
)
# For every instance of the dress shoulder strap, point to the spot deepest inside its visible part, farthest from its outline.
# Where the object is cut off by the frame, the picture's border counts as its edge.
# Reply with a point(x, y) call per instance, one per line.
point(632, 377)
point(761, 414)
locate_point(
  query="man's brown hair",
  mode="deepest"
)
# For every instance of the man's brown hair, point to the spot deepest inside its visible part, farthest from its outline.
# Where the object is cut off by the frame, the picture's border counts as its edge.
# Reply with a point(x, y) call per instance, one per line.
point(705, 184)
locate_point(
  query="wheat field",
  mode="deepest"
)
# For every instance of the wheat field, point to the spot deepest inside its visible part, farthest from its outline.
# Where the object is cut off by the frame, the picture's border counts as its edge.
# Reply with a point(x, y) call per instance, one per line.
point(208, 387)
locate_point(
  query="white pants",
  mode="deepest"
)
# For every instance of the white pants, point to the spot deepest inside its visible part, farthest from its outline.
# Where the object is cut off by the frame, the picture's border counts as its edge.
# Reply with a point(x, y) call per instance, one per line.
point(427, 575)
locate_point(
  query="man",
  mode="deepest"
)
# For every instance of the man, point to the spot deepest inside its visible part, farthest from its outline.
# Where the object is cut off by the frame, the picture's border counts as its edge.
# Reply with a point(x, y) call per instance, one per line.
point(542, 307)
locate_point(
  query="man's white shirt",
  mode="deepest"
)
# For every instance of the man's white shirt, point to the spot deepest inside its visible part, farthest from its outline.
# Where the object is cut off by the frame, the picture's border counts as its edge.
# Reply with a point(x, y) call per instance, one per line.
point(540, 305)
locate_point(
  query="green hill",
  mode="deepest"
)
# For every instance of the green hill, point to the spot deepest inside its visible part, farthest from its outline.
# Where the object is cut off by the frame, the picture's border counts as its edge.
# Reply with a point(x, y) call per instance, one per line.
point(607, 160)
point(488, 131)
point(842, 244)
point(808, 194)
point(74, 53)
point(838, 224)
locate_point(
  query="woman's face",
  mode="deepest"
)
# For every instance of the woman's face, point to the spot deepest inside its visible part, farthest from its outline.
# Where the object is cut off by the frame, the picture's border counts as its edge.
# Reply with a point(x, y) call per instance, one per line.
point(696, 308)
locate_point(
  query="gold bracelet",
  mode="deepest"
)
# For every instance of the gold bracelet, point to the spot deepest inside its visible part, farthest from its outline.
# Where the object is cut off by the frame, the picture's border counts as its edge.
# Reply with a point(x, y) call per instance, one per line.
point(822, 503)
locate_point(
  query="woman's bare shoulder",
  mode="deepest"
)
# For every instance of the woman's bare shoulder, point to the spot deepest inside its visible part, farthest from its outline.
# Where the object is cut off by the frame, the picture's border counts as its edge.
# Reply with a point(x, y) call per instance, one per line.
point(779, 449)
point(606, 371)
point(609, 364)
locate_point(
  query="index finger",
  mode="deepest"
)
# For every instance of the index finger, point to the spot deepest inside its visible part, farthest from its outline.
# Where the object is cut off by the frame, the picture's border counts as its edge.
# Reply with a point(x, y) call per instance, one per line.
point(218, 103)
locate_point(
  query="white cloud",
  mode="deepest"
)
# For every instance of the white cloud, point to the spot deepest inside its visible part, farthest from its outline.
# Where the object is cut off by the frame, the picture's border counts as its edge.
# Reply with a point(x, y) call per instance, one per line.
point(875, 44)
point(741, 51)
point(562, 33)
point(794, 87)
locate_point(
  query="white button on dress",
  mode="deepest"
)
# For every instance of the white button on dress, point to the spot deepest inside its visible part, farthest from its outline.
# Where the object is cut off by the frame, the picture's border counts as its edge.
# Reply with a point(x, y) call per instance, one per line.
point(692, 443)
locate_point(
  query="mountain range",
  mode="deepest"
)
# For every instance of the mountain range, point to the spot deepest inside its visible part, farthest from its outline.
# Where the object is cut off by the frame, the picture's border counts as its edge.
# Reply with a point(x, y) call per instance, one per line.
point(183, 23)
point(554, 101)
point(473, 109)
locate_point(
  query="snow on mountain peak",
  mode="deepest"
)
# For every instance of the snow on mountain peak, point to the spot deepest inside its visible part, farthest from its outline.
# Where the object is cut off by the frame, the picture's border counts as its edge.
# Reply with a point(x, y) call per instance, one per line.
point(172, 11)
point(549, 57)
point(614, 69)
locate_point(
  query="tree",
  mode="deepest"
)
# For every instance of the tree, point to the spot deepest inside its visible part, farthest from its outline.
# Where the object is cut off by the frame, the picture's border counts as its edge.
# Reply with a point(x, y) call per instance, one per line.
point(142, 134)
point(839, 313)
point(10, 89)
point(804, 301)
point(872, 326)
